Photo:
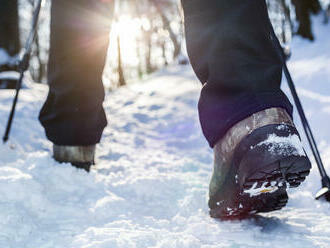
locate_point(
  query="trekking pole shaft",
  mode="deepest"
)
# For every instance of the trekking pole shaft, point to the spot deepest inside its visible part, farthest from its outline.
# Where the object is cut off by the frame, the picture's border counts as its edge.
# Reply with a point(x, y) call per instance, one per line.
point(325, 191)
point(305, 123)
point(29, 42)
point(12, 112)
point(296, 99)
point(23, 66)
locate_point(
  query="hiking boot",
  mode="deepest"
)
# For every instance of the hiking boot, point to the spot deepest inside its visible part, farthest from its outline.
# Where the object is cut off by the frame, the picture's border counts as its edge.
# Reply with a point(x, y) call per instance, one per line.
point(254, 163)
point(81, 157)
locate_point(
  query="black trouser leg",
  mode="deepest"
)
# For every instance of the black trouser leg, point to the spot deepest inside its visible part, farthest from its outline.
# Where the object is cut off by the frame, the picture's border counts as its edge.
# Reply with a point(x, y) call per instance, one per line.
point(230, 49)
point(73, 113)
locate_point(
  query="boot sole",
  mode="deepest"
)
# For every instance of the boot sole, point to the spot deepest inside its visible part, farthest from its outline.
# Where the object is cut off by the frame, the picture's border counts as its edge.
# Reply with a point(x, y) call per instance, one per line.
point(262, 176)
point(265, 191)
point(273, 182)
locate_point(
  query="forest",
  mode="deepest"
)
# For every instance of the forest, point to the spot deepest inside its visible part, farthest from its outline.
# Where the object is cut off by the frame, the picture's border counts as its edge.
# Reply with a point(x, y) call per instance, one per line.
point(146, 35)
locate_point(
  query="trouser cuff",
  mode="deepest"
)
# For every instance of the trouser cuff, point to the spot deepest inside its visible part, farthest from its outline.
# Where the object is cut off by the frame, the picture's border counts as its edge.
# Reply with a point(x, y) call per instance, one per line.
point(218, 115)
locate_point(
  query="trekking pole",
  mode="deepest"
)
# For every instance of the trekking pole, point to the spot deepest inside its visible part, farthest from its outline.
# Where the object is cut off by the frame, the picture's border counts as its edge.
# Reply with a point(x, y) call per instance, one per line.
point(23, 66)
point(325, 191)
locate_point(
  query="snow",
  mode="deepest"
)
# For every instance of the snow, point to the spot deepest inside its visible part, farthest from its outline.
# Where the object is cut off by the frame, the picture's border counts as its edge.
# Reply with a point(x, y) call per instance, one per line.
point(255, 191)
point(4, 57)
point(284, 144)
point(14, 75)
point(153, 168)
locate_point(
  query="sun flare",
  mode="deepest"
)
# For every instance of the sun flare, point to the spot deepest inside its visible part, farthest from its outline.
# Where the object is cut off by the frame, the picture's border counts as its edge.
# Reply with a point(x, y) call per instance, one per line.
point(128, 30)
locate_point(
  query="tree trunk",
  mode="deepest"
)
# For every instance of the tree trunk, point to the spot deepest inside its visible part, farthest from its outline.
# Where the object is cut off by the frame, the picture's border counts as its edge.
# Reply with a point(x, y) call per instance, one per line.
point(167, 26)
point(163, 45)
point(149, 67)
point(41, 73)
point(287, 14)
point(147, 37)
point(138, 54)
point(304, 8)
point(9, 30)
point(121, 78)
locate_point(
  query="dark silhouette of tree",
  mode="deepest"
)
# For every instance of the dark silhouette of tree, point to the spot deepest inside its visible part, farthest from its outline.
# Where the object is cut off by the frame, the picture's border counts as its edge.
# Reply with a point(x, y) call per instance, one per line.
point(121, 77)
point(304, 9)
point(161, 6)
point(9, 30)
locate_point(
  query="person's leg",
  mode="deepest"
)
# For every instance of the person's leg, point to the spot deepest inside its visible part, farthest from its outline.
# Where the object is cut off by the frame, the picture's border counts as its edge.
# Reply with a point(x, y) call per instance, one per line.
point(232, 54)
point(73, 114)
point(245, 116)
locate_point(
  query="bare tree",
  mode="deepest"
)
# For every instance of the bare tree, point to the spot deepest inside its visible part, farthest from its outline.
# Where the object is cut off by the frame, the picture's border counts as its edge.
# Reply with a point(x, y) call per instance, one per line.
point(161, 6)
point(304, 8)
point(121, 77)
point(9, 28)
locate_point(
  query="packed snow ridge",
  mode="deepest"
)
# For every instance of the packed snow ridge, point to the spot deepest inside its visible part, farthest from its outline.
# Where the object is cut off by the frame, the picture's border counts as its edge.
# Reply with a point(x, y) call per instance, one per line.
point(4, 57)
point(264, 189)
point(284, 145)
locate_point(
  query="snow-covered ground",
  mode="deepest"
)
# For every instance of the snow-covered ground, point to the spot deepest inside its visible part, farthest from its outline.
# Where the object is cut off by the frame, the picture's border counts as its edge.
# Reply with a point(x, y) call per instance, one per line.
point(149, 188)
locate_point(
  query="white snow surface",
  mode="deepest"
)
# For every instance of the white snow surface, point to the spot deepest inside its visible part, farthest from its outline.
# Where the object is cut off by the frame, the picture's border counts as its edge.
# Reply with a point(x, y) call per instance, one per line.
point(4, 57)
point(281, 144)
point(149, 188)
point(27, 81)
point(255, 191)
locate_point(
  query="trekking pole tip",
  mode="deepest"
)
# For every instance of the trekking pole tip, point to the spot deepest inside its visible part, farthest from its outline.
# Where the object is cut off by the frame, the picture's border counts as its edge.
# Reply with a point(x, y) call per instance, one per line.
point(5, 138)
point(325, 191)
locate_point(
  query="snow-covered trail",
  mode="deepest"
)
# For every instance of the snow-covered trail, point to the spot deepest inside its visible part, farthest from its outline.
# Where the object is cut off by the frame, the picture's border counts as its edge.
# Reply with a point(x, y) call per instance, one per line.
point(150, 185)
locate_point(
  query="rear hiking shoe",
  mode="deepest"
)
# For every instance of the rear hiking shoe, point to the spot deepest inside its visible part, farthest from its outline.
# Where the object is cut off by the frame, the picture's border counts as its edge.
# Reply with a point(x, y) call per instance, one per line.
point(81, 157)
point(254, 163)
